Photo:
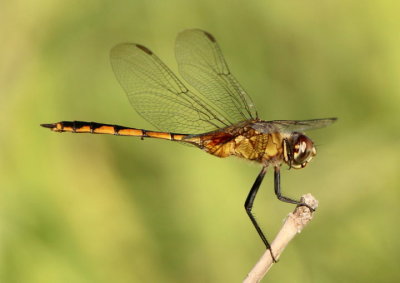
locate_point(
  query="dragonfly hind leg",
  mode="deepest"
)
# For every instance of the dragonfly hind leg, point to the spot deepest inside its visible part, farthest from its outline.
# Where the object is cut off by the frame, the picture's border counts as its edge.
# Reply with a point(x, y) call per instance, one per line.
point(248, 205)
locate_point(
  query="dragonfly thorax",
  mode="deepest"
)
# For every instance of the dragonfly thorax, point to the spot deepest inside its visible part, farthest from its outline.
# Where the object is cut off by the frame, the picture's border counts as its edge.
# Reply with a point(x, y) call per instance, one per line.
point(298, 150)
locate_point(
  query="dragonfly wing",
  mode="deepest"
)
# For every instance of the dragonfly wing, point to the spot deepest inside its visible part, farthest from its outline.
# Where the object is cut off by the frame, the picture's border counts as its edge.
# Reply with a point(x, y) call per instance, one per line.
point(301, 125)
point(202, 65)
point(158, 95)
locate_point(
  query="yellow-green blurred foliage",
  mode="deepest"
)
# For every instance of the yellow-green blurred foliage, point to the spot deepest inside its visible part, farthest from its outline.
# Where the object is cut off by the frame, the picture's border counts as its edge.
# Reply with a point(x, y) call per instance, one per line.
point(86, 208)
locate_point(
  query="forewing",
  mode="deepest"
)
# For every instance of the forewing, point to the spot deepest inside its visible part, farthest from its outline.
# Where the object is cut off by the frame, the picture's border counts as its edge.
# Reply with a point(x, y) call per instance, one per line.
point(158, 95)
point(302, 125)
point(202, 65)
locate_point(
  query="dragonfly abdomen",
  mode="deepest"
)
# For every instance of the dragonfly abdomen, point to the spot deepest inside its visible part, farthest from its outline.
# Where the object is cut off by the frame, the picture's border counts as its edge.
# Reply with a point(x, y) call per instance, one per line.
point(100, 128)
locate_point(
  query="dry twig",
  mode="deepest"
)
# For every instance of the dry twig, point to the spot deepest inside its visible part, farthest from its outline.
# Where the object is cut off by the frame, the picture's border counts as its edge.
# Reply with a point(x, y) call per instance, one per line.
point(294, 223)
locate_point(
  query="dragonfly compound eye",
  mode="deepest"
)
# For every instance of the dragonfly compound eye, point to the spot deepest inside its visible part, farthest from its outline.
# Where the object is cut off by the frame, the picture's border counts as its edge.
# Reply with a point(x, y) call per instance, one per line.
point(303, 151)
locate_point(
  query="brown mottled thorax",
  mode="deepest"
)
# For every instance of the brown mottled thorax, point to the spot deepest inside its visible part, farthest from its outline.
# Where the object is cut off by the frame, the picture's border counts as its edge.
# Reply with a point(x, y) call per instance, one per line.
point(242, 141)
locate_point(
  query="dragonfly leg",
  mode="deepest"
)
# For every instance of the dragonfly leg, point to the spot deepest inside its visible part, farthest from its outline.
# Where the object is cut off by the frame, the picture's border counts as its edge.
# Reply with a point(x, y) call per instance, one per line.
point(277, 186)
point(248, 205)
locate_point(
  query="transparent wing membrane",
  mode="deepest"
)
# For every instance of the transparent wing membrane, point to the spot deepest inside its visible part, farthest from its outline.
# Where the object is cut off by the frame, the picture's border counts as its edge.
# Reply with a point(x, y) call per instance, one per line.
point(163, 100)
point(302, 125)
point(202, 65)
point(158, 95)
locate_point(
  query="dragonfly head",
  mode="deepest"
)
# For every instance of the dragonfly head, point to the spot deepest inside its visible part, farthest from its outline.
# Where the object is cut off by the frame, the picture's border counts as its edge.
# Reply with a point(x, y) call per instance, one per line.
point(298, 150)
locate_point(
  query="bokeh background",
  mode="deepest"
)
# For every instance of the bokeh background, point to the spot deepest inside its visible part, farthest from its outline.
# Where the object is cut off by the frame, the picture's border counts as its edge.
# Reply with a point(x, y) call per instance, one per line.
point(92, 208)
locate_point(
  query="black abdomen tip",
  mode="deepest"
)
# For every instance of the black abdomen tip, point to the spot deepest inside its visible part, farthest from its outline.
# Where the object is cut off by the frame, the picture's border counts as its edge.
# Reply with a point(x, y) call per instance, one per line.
point(50, 126)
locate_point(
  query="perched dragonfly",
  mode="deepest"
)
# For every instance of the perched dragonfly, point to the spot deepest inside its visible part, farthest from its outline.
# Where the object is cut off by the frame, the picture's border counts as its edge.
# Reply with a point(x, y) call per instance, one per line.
point(220, 118)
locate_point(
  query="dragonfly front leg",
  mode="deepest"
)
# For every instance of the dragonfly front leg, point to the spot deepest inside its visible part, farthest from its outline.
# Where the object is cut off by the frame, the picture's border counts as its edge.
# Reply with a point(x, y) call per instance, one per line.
point(248, 205)
point(277, 187)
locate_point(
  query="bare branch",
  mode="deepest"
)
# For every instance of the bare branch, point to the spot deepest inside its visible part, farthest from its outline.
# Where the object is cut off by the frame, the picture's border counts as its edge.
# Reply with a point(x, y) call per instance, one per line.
point(294, 223)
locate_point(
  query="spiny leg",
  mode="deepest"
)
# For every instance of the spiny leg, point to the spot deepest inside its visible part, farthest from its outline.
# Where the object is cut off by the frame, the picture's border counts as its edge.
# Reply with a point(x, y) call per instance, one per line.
point(248, 205)
point(277, 187)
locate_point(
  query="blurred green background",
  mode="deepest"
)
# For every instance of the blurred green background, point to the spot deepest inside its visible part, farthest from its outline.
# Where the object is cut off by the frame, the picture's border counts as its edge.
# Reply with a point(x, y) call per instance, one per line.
point(92, 208)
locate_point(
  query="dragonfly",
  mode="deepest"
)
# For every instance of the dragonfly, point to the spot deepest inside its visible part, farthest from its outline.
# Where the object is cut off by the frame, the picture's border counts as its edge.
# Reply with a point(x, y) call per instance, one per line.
point(219, 118)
